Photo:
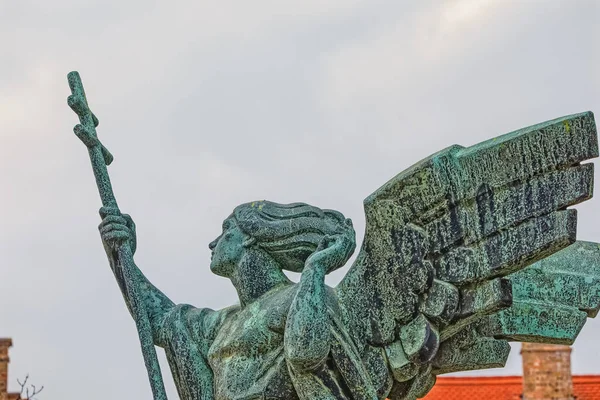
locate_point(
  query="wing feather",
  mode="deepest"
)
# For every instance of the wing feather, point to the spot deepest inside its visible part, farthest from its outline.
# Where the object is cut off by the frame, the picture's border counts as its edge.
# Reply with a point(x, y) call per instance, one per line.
point(551, 301)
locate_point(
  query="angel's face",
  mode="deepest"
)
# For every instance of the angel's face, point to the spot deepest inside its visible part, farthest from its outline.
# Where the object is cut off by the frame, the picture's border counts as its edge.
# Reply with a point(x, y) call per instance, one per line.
point(227, 249)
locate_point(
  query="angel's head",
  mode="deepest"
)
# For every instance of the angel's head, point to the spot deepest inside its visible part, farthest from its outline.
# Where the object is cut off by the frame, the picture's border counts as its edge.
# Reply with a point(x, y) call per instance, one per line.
point(286, 233)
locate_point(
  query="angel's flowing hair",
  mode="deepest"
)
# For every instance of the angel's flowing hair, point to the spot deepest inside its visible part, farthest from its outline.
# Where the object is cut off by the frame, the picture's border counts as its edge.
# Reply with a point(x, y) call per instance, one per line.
point(290, 233)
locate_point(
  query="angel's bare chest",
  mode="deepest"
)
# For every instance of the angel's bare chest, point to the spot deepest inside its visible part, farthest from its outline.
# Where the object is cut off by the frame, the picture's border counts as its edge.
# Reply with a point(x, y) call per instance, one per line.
point(247, 353)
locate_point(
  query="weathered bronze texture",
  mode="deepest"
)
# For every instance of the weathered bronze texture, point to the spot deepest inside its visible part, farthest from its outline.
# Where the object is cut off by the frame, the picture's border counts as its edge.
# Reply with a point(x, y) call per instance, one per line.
point(463, 252)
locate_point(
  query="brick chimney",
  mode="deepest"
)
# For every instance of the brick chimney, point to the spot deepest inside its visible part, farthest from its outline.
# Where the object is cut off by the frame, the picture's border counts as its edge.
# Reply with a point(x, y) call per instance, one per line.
point(4, 345)
point(547, 372)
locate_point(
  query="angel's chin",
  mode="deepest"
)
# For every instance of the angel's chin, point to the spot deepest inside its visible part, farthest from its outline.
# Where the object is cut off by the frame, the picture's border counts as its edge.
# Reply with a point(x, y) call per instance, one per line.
point(215, 269)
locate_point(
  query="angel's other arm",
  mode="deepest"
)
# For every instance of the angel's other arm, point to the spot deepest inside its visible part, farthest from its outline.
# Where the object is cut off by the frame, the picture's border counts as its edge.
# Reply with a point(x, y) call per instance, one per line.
point(307, 334)
point(306, 338)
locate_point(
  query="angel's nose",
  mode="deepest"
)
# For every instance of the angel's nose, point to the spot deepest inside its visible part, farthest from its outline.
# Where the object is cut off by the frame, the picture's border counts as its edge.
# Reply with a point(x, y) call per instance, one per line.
point(213, 244)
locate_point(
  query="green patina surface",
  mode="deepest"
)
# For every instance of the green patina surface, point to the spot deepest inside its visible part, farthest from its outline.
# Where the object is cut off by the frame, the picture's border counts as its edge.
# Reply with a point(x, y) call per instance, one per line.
point(464, 251)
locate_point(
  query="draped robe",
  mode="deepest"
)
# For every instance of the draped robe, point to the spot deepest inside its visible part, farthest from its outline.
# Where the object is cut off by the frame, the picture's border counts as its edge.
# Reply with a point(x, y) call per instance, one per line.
point(196, 340)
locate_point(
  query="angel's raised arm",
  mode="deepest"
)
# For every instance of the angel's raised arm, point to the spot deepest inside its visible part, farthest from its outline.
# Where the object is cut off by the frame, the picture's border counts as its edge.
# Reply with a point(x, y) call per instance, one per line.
point(117, 230)
point(307, 335)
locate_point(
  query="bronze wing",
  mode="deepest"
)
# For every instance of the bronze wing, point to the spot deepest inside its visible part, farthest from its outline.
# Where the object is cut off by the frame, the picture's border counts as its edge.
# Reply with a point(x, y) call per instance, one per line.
point(441, 283)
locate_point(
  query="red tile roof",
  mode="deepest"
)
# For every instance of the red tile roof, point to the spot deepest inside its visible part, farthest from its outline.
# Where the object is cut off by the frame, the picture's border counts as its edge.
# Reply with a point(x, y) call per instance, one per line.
point(585, 387)
point(488, 388)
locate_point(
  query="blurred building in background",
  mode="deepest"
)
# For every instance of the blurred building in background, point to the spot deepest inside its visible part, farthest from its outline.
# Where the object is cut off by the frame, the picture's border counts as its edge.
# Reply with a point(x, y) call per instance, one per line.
point(546, 376)
point(5, 344)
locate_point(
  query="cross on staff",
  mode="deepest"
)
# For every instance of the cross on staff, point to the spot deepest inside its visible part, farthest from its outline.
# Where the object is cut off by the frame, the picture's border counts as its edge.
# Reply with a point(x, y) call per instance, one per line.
point(100, 157)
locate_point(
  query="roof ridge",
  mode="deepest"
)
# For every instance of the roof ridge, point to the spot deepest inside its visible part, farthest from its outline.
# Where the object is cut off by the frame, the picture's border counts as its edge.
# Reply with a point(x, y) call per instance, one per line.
point(477, 380)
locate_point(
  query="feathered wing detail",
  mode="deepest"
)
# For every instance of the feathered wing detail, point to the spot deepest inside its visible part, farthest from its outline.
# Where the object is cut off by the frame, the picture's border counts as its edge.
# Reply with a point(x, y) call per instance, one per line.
point(551, 301)
point(445, 241)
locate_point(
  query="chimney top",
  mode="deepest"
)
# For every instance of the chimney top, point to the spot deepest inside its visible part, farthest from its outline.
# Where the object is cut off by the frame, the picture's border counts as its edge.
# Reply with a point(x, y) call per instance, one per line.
point(546, 372)
point(537, 347)
point(4, 345)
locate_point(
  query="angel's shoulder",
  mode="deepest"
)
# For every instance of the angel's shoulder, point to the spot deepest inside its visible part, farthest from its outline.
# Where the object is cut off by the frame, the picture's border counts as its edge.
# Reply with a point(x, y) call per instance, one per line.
point(277, 305)
point(206, 321)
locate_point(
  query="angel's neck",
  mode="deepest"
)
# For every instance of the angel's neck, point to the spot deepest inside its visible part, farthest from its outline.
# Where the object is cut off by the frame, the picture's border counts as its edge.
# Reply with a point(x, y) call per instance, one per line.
point(257, 273)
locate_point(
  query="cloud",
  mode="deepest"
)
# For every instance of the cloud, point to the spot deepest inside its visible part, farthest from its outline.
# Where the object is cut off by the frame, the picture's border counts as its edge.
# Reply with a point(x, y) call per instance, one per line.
point(407, 49)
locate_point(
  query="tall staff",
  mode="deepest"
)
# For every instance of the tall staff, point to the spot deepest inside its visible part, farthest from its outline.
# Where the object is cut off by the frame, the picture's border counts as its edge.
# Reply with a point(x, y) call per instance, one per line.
point(100, 157)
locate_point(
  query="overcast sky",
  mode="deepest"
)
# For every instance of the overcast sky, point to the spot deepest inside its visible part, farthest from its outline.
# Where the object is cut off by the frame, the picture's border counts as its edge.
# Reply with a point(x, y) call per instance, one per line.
point(206, 105)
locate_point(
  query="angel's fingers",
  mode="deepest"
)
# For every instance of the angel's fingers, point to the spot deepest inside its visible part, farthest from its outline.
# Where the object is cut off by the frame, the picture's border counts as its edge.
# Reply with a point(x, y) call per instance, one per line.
point(116, 235)
point(115, 227)
point(342, 241)
point(112, 219)
point(129, 221)
point(324, 243)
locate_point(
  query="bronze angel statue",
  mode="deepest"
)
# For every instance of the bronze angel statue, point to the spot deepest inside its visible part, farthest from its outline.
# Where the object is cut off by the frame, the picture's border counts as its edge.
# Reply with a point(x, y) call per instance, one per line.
point(463, 252)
